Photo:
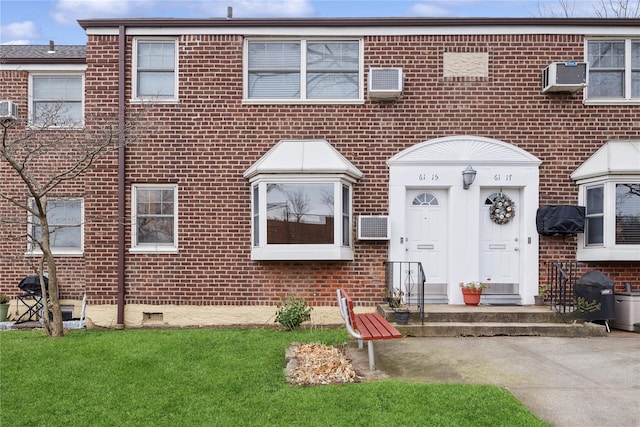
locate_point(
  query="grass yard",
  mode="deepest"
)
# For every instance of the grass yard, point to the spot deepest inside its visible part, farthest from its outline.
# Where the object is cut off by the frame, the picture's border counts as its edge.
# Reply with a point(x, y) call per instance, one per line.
point(210, 377)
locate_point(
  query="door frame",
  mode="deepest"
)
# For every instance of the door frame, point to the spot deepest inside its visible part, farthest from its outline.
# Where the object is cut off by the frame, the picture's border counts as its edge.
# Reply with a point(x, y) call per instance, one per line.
point(438, 164)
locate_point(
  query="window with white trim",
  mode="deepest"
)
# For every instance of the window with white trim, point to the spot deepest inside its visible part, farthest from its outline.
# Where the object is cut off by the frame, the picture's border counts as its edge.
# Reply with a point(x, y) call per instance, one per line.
point(66, 226)
point(614, 70)
point(612, 227)
point(303, 70)
point(296, 219)
point(154, 225)
point(155, 70)
point(609, 188)
point(56, 100)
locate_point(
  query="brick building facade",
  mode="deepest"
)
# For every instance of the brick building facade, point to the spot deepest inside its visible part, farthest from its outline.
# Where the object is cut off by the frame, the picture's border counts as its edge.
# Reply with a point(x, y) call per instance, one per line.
point(225, 105)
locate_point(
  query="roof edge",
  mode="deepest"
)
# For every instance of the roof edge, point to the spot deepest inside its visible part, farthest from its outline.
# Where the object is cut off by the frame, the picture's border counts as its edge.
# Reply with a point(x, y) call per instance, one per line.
point(353, 22)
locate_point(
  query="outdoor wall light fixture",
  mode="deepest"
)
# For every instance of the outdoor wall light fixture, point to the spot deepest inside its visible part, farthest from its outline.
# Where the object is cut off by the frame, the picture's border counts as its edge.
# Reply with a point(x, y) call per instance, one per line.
point(468, 176)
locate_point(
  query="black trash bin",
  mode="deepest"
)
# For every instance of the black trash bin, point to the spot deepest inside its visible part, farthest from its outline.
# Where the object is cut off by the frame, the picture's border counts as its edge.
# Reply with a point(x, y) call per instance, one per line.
point(596, 289)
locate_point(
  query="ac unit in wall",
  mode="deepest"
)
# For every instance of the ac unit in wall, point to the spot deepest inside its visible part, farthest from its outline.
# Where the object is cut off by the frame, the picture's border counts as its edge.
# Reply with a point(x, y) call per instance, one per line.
point(385, 83)
point(373, 227)
point(8, 111)
point(564, 77)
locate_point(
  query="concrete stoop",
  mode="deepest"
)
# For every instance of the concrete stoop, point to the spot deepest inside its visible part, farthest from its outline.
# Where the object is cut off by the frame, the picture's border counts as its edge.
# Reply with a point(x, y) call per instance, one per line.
point(454, 321)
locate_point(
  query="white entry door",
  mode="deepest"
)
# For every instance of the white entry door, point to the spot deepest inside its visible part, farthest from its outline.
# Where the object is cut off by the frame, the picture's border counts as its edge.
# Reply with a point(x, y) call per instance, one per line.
point(426, 238)
point(500, 240)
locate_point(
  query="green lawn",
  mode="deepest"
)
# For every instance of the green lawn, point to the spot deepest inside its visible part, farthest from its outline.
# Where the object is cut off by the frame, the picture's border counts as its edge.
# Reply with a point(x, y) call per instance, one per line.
point(209, 377)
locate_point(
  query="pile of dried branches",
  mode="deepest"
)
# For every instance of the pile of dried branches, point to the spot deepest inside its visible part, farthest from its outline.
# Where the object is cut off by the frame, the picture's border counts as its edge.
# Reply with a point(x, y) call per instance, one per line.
point(313, 364)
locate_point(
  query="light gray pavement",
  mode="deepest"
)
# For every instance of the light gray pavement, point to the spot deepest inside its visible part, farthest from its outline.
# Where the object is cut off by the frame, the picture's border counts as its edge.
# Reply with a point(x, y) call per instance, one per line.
point(565, 381)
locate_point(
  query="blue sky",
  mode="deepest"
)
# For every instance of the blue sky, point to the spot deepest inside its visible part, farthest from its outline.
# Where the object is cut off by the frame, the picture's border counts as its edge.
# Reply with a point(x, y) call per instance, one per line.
point(37, 22)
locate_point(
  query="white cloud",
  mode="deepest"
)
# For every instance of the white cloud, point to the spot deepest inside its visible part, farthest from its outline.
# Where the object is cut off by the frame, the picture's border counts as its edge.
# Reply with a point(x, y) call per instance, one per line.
point(426, 9)
point(19, 32)
point(68, 11)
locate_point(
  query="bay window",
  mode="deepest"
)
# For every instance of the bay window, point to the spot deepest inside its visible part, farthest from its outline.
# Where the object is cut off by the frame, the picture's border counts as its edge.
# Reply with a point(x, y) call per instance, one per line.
point(609, 188)
point(301, 193)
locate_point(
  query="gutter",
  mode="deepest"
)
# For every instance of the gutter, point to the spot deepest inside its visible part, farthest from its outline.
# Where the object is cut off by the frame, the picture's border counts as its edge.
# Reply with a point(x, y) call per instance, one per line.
point(122, 42)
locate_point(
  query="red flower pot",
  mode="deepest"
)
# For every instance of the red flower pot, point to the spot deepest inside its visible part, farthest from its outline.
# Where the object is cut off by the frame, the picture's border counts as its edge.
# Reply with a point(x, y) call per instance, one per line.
point(471, 296)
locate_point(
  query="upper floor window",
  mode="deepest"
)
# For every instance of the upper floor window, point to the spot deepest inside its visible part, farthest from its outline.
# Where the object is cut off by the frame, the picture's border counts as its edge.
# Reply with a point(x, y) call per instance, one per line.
point(155, 65)
point(56, 100)
point(614, 70)
point(303, 71)
point(154, 226)
point(65, 220)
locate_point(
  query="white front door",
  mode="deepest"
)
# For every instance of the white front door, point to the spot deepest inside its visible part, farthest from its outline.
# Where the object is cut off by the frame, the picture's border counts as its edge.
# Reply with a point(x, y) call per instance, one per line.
point(500, 240)
point(426, 238)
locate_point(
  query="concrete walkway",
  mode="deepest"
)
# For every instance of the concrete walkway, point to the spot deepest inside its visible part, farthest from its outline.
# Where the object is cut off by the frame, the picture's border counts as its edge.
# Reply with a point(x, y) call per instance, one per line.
point(565, 381)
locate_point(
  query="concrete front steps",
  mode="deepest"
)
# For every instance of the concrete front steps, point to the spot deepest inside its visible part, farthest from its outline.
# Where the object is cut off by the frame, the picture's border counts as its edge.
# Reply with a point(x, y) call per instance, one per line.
point(442, 320)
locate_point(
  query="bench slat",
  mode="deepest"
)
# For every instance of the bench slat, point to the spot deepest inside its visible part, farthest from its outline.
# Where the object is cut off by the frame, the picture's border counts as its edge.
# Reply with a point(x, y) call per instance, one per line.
point(372, 326)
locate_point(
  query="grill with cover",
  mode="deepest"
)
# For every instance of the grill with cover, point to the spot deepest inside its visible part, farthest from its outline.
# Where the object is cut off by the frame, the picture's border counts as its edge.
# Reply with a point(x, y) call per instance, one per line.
point(594, 295)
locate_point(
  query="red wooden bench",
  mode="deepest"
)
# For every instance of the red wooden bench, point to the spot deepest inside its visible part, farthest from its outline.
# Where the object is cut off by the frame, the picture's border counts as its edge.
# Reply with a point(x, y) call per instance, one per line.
point(365, 327)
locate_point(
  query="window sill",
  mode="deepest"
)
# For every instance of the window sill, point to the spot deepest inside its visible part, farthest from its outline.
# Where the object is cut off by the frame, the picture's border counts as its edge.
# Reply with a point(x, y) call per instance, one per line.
point(301, 253)
point(154, 250)
point(154, 101)
point(612, 101)
point(631, 253)
point(302, 102)
point(57, 253)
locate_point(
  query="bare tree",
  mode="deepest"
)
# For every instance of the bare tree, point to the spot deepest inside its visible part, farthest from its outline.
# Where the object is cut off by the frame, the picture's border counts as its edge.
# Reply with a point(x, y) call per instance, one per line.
point(603, 9)
point(618, 9)
point(45, 155)
point(564, 9)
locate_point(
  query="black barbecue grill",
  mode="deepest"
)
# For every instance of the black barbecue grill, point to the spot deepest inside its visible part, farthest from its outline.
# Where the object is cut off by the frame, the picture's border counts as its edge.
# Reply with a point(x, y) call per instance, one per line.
point(596, 292)
point(31, 298)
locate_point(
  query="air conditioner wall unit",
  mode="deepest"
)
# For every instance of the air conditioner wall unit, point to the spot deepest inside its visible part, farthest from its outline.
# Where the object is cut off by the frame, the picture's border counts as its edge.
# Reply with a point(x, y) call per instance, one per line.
point(374, 227)
point(385, 83)
point(564, 77)
point(8, 111)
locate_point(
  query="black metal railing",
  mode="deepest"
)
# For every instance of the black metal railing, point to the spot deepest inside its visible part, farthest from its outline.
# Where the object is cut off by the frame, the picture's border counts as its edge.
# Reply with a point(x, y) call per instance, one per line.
point(408, 278)
point(562, 277)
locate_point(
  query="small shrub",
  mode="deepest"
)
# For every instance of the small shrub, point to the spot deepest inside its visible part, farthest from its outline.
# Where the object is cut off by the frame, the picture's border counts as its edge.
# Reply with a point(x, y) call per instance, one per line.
point(4, 299)
point(292, 312)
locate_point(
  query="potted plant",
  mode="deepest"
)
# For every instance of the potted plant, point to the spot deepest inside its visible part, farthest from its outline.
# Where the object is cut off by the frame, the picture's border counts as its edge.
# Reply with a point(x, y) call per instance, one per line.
point(4, 307)
point(472, 291)
point(400, 309)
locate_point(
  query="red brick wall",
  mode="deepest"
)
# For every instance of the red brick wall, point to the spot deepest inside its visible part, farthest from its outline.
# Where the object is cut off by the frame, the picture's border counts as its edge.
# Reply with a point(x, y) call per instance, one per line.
point(206, 141)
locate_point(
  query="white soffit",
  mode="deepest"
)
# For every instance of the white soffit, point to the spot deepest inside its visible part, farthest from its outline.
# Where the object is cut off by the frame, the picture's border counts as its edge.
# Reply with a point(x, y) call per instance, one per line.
point(613, 158)
point(294, 156)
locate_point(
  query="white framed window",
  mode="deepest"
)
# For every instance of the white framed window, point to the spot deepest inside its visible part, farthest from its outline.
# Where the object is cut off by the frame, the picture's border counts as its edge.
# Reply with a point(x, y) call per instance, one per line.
point(56, 100)
point(65, 217)
point(301, 196)
point(154, 225)
point(297, 218)
point(155, 64)
point(609, 188)
point(614, 71)
point(303, 71)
